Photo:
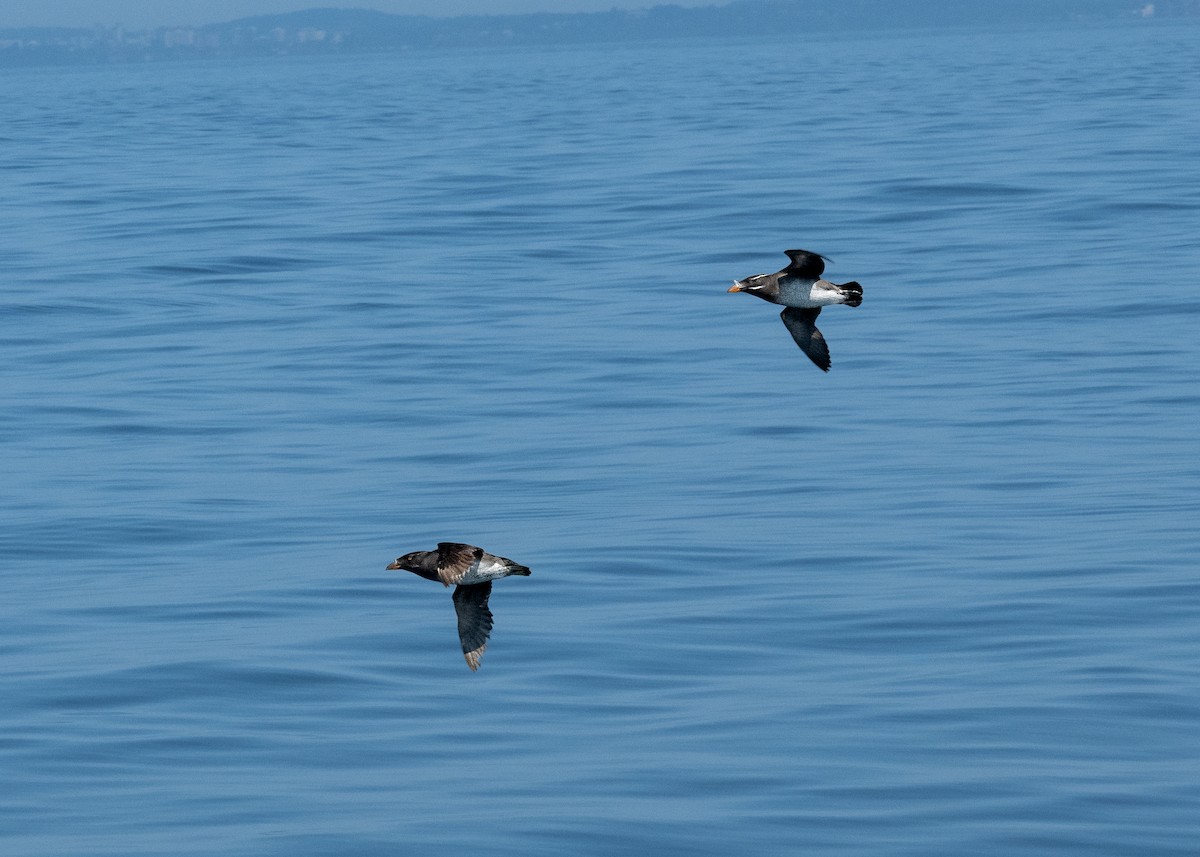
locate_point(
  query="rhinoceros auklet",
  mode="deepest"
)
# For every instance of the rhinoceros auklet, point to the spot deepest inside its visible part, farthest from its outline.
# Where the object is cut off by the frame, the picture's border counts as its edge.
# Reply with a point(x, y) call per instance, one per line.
point(799, 287)
point(472, 570)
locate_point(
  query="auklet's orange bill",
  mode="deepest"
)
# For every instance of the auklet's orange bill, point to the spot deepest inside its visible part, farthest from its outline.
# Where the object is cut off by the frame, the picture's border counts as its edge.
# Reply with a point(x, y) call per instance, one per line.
point(472, 570)
point(799, 287)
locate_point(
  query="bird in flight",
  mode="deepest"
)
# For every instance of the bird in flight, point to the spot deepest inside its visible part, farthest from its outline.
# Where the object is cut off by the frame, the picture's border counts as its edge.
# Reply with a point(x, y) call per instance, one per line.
point(802, 292)
point(471, 570)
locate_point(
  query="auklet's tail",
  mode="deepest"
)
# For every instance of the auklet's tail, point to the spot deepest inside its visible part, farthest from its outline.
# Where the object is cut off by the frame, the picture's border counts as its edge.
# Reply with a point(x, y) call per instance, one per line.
point(852, 292)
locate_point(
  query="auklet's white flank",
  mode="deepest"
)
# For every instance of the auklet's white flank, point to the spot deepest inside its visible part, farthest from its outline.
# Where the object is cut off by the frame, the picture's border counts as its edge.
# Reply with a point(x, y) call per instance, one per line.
point(472, 569)
point(799, 287)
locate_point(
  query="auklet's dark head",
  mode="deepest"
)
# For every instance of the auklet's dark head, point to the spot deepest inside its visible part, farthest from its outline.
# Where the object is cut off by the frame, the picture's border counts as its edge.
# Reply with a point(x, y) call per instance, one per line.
point(765, 286)
point(418, 563)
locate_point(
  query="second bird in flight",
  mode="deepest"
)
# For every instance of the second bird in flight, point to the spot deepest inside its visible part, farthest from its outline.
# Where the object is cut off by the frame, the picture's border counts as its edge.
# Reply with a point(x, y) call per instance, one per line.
point(473, 570)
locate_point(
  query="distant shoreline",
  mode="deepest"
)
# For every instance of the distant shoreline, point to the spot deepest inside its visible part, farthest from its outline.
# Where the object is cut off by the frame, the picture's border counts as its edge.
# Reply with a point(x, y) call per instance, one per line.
point(346, 31)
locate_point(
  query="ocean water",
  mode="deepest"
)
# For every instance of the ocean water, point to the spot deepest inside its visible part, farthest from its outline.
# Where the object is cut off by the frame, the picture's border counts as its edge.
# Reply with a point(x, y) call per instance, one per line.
point(268, 324)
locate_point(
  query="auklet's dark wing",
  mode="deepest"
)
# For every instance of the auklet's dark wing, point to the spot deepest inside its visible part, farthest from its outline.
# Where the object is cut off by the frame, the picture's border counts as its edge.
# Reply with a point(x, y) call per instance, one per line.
point(805, 264)
point(455, 559)
point(474, 620)
point(801, 324)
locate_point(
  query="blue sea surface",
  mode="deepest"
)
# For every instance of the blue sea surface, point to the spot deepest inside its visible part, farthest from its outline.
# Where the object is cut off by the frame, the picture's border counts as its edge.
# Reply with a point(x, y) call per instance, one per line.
point(267, 324)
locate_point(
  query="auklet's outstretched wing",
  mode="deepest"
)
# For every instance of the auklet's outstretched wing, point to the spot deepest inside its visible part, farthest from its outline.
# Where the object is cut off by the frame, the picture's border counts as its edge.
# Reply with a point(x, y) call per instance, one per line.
point(455, 560)
point(805, 265)
point(801, 324)
point(474, 620)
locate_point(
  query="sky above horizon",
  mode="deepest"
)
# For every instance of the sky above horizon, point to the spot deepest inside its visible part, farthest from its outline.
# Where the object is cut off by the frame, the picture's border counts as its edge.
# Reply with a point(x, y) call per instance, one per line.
point(154, 13)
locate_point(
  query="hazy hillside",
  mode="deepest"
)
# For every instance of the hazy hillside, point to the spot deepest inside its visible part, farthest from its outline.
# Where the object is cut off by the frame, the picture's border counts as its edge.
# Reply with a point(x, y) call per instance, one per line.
point(351, 30)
